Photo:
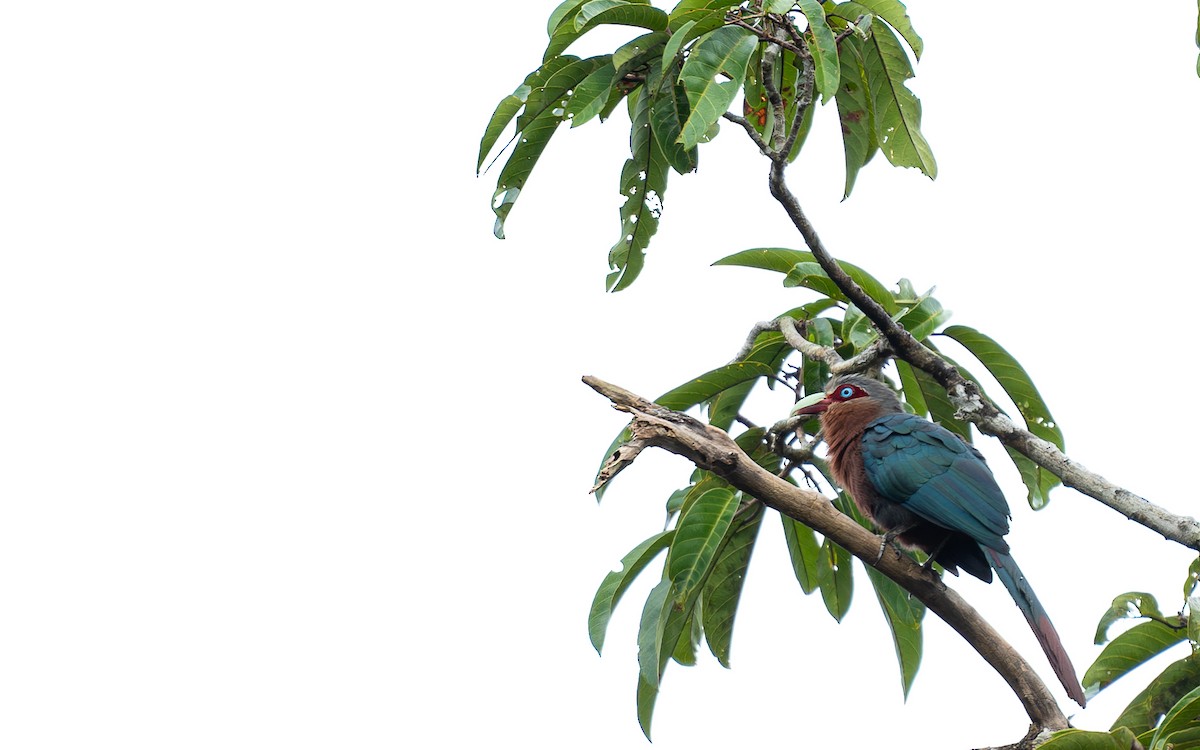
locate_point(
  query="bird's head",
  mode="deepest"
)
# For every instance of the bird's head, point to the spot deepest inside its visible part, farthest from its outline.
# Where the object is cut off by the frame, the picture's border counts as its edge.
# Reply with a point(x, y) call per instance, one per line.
point(850, 391)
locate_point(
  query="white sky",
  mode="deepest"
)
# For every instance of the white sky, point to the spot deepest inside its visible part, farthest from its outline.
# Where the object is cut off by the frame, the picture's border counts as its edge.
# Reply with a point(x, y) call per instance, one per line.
point(295, 454)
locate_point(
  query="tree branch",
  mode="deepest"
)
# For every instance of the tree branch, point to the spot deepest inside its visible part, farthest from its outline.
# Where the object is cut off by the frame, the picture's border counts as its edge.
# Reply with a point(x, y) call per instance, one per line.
point(712, 449)
point(970, 402)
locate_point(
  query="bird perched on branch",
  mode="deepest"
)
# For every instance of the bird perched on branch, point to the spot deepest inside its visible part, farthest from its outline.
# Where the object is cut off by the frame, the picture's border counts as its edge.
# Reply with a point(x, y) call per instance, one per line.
point(930, 490)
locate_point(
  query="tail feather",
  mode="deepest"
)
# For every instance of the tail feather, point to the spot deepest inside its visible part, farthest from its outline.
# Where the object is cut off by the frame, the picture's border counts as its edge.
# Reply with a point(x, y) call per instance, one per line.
point(1022, 593)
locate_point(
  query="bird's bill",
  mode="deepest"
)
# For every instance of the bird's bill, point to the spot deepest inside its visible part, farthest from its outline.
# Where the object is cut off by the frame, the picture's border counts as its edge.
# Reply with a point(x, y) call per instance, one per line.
point(814, 403)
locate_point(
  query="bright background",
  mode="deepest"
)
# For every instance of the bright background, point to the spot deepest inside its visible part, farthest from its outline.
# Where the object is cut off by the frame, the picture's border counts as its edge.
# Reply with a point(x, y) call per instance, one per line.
point(295, 454)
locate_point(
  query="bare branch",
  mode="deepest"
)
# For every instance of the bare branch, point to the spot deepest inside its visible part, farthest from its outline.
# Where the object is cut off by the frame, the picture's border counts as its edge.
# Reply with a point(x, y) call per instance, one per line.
point(750, 131)
point(713, 449)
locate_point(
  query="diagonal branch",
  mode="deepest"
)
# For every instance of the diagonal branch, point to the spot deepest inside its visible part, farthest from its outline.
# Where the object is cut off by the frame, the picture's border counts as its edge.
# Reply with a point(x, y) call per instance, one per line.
point(712, 449)
point(970, 401)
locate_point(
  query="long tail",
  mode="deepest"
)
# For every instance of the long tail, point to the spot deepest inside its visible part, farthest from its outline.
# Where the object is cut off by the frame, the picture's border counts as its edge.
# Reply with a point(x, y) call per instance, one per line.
point(1022, 593)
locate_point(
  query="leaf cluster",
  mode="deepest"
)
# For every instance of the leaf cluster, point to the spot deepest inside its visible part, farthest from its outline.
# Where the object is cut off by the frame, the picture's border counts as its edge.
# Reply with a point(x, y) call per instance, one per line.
point(713, 527)
point(1166, 714)
point(683, 73)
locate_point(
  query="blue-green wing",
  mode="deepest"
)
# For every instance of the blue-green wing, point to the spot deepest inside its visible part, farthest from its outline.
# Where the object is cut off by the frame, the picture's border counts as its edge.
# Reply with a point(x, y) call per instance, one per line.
point(937, 476)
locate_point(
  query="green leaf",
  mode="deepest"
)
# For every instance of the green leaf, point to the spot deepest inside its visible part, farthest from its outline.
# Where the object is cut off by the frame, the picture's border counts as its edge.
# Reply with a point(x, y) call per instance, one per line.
point(643, 185)
point(591, 95)
point(835, 579)
point(783, 260)
point(897, 112)
point(725, 51)
point(913, 395)
point(1176, 681)
point(1193, 576)
point(1016, 382)
point(506, 110)
point(816, 372)
point(544, 110)
point(769, 349)
point(812, 276)
point(924, 318)
point(903, 614)
point(576, 22)
point(566, 9)
point(680, 37)
point(711, 383)
point(650, 632)
point(823, 48)
point(1077, 739)
point(646, 696)
point(894, 12)
point(613, 587)
point(938, 403)
point(689, 642)
point(1131, 604)
point(707, 14)
point(701, 530)
point(805, 553)
point(723, 589)
point(1178, 723)
point(639, 53)
point(668, 111)
point(783, 6)
point(854, 110)
point(1127, 651)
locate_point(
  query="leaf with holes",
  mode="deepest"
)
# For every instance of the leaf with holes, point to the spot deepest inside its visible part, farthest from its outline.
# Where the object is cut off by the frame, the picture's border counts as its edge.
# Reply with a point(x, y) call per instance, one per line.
point(724, 52)
point(897, 112)
point(643, 184)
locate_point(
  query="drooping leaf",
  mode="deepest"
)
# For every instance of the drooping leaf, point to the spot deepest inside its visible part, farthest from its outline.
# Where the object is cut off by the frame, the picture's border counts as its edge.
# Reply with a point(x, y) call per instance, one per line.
point(613, 587)
point(823, 48)
point(903, 614)
point(894, 12)
point(897, 111)
point(1177, 680)
point(689, 642)
point(940, 408)
point(700, 533)
point(805, 553)
point(591, 95)
point(854, 110)
point(1127, 651)
point(723, 589)
point(1130, 604)
point(816, 372)
point(643, 184)
point(913, 395)
point(783, 260)
point(650, 631)
point(1078, 739)
point(668, 111)
point(725, 51)
point(1193, 577)
point(835, 579)
point(506, 110)
point(1016, 382)
point(545, 109)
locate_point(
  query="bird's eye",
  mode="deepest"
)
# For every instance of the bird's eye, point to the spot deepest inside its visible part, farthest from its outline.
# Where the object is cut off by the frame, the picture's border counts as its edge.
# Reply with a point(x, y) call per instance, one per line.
point(846, 392)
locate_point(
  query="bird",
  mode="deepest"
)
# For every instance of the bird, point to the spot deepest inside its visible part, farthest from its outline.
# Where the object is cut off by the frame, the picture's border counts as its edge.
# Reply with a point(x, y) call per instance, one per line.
point(927, 489)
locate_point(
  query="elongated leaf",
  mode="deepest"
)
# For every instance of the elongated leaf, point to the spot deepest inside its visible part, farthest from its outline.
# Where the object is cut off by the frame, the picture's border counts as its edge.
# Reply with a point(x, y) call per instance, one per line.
point(940, 408)
point(650, 632)
point(823, 48)
point(1078, 739)
point(668, 111)
point(913, 395)
point(689, 642)
point(711, 383)
point(613, 587)
point(903, 614)
point(640, 53)
point(1130, 604)
point(835, 579)
point(591, 95)
point(578, 21)
point(1164, 691)
point(1193, 577)
point(544, 110)
point(506, 110)
point(565, 10)
point(805, 553)
point(681, 36)
point(854, 110)
point(723, 589)
point(770, 349)
point(701, 530)
point(725, 51)
point(897, 112)
point(1016, 382)
point(1127, 651)
point(894, 12)
point(783, 260)
point(707, 14)
point(643, 185)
